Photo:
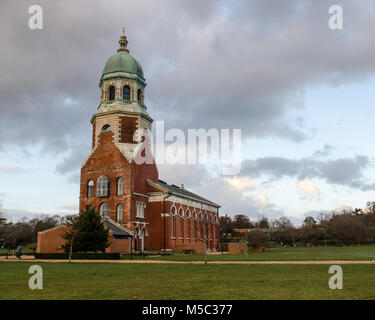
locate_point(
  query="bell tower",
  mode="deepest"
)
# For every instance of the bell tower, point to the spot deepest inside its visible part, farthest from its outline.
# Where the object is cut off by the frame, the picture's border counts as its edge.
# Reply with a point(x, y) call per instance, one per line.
point(122, 108)
point(111, 180)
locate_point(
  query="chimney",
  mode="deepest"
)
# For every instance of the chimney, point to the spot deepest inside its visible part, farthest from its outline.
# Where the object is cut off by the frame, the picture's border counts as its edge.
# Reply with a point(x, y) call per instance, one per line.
point(182, 186)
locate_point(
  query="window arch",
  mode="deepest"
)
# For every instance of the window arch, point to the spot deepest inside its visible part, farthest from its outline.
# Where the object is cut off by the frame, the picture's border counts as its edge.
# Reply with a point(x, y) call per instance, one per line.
point(102, 186)
point(106, 127)
point(90, 189)
point(139, 95)
point(104, 210)
point(119, 211)
point(120, 186)
point(126, 93)
point(111, 93)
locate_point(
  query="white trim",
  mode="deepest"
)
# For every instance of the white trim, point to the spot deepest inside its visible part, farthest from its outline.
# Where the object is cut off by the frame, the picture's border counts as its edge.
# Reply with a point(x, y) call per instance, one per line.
point(141, 195)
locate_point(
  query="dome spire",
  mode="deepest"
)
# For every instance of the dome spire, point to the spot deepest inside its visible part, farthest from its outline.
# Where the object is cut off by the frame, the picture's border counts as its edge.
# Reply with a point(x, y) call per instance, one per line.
point(123, 42)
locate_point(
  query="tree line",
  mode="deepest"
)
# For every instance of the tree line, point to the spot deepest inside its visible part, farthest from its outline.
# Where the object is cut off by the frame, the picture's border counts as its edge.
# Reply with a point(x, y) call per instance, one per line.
point(347, 227)
point(87, 232)
point(25, 231)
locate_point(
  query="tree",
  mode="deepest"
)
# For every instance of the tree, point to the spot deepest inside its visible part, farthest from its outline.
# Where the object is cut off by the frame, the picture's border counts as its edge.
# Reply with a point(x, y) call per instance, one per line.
point(263, 223)
point(241, 221)
point(282, 223)
point(309, 221)
point(87, 233)
point(2, 227)
point(256, 238)
point(225, 229)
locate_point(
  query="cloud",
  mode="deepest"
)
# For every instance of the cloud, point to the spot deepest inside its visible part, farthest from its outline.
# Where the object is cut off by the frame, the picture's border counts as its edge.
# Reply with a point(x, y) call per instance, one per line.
point(241, 183)
point(11, 169)
point(212, 64)
point(324, 152)
point(343, 171)
point(308, 187)
point(70, 207)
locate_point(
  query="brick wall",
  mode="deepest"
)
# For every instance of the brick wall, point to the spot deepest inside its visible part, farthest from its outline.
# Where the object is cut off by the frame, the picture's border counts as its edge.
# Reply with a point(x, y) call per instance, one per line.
point(50, 240)
point(199, 248)
point(237, 248)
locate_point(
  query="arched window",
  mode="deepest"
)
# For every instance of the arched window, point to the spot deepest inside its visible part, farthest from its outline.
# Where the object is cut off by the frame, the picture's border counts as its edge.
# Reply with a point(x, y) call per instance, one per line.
point(119, 210)
point(188, 229)
point(181, 223)
point(120, 187)
point(111, 93)
point(102, 187)
point(139, 95)
point(126, 93)
point(104, 210)
point(106, 127)
point(193, 225)
point(140, 206)
point(173, 228)
point(90, 189)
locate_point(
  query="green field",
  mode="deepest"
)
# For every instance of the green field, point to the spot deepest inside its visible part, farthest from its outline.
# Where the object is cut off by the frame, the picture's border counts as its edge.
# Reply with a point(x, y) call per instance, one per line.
point(158, 281)
point(284, 254)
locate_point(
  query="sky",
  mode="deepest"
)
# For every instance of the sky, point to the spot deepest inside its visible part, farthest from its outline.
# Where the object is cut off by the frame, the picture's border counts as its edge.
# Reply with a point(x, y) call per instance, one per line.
point(301, 93)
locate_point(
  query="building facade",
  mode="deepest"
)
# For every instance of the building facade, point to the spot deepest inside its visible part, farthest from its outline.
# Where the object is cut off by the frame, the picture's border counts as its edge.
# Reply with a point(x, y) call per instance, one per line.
point(148, 213)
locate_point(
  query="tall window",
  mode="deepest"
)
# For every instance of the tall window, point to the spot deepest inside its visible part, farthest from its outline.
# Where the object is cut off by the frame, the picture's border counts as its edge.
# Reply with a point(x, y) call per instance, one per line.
point(120, 187)
point(181, 223)
point(139, 95)
point(111, 93)
point(126, 93)
point(173, 227)
point(102, 187)
point(188, 224)
point(104, 210)
point(90, 189)
point(140, 209)
point(193, 225)
point(119, 210)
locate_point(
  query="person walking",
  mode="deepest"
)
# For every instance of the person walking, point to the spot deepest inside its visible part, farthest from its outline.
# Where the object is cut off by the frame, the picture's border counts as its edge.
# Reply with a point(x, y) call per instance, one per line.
point(19, 252)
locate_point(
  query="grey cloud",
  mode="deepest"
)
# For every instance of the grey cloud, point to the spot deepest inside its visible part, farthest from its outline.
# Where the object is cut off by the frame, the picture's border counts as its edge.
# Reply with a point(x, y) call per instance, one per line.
point(325, 151)
point(208, 64)
point(344, 171)
point(11, 170)
point(215, 188)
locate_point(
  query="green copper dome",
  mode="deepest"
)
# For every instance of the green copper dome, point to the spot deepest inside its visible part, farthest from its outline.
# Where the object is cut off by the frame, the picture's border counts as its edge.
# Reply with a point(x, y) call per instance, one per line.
point(123, 62)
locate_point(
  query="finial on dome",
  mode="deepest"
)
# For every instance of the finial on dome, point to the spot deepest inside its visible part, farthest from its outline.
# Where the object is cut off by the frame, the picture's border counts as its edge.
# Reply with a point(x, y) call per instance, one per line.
point(123, 42)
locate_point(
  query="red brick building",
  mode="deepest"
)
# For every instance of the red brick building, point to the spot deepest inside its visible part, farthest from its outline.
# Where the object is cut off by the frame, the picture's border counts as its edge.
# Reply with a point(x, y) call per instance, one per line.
point(142, 212)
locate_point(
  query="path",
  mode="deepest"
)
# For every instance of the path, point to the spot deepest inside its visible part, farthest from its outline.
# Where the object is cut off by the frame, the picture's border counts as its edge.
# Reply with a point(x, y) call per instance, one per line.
point(32, 259)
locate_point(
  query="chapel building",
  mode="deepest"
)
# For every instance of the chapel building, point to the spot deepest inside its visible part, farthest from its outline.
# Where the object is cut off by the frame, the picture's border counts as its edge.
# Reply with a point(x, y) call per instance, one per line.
point(142, 212)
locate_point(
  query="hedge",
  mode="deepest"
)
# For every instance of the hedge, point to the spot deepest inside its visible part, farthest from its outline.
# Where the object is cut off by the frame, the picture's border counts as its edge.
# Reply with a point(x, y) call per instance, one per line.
point(79, 255)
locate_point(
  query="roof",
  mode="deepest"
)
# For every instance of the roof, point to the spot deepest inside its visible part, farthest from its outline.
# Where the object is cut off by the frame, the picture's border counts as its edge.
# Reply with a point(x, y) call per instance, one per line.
point(185, 193)
point(123, 62)
point(116, 228)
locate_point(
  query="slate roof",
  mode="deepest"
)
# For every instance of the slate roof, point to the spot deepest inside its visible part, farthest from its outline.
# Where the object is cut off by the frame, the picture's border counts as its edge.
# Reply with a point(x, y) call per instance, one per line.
point(185, 193)
point(117, 229)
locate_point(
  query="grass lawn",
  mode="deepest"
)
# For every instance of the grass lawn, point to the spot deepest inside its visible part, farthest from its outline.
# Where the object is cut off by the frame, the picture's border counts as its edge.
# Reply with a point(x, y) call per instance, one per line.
point(284, 254)
point(158, 281)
